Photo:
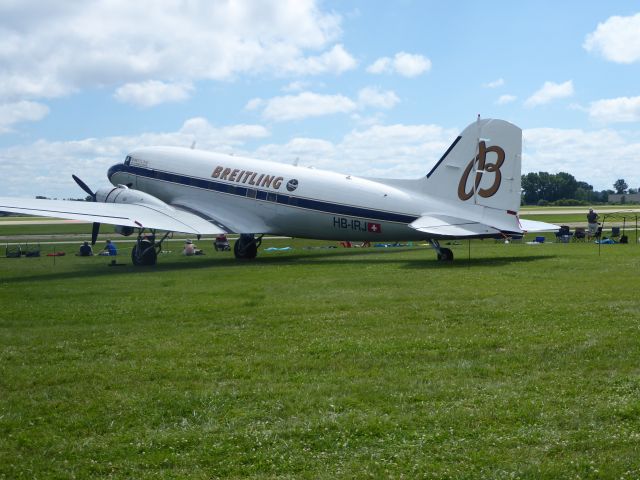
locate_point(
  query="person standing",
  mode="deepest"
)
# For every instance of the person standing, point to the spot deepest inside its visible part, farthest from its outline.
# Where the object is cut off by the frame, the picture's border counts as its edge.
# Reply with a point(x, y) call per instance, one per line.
point(592, 221)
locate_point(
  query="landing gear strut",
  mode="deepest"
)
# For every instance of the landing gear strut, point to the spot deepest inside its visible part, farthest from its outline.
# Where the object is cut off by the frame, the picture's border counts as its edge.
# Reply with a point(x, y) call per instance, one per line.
point(146, 249)
point(246, 247)
point(444, 254)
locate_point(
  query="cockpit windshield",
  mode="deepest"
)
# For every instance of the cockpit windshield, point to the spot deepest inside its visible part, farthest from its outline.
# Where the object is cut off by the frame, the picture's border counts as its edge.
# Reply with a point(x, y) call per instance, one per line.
point(127, 160)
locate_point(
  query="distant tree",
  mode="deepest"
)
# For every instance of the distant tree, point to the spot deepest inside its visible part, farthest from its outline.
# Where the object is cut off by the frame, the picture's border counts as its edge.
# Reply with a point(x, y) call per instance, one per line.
point(632, 191)
point(565, 185)
point(531, 188)
point(548, 187)
point(620, 186)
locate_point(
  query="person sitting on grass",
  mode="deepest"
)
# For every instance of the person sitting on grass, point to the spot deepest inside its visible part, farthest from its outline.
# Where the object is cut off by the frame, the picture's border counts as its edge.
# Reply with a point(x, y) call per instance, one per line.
point(85, 250)
point(110, 249)
point(190, 249)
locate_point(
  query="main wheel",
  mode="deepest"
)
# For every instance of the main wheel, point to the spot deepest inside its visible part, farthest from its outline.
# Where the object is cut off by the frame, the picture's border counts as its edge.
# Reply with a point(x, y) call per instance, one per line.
point(245, 249)
point(445, 255)
point(144, 253)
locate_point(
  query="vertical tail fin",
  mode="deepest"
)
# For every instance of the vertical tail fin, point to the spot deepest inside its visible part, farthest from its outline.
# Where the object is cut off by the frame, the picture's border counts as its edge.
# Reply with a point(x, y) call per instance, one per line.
point(481, 168)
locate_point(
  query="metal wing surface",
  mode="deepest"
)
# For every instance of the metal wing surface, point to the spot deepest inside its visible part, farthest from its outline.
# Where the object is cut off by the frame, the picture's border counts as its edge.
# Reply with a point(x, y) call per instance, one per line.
point(126, 214)
point(445, 225)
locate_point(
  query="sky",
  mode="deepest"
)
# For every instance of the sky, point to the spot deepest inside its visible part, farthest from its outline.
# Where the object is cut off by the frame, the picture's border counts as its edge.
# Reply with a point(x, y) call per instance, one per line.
point(372, 88)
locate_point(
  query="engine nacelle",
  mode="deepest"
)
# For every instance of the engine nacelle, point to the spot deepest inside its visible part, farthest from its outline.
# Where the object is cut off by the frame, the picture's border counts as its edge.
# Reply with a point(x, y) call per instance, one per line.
point(124, 230)
point(124, 194)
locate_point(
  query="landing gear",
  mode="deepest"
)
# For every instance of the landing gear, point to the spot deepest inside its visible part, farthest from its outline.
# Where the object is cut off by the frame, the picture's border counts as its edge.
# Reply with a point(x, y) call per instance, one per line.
point(246, 247)
point(146, 249)
point(444, 254)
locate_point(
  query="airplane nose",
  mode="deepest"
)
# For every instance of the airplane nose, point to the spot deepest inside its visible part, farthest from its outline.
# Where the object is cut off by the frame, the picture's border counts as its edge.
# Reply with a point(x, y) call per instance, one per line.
point(113, 170)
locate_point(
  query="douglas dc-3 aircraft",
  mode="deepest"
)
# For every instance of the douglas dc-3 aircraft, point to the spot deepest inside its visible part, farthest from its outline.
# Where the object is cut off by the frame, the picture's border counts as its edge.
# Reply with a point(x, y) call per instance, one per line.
point(472, 192)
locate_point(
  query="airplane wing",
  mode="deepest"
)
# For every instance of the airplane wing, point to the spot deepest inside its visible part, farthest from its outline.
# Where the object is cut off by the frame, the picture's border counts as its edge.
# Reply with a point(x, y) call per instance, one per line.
point(445, 225)
point(231, 220)
point(135, 215)
point(535, 226)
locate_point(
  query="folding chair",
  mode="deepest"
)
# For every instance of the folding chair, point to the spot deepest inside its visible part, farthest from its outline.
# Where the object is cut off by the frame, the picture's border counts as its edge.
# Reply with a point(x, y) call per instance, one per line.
point(615, 232)
point(13, 251)
point(563, 235)
point(579, 235)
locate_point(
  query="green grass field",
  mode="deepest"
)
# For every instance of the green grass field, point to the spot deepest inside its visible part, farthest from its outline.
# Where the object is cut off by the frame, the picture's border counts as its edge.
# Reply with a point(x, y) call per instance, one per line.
point(523, 362)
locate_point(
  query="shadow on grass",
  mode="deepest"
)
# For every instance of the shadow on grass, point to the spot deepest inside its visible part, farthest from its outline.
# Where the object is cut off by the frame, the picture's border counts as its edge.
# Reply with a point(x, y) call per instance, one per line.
point(339, 257)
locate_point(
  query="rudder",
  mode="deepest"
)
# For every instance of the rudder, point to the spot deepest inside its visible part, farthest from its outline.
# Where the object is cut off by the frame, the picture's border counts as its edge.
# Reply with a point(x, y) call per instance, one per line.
point(482, 167)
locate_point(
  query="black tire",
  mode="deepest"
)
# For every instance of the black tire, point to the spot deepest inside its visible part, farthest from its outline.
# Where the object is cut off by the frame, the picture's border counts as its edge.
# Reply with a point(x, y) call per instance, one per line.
point(445, 255)
point(147, 255)
point(248, 251)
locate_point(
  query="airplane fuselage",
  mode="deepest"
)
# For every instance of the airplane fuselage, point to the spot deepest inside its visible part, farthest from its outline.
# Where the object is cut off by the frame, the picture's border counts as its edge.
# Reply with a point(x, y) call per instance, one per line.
point(273, 198)
point(473, 191)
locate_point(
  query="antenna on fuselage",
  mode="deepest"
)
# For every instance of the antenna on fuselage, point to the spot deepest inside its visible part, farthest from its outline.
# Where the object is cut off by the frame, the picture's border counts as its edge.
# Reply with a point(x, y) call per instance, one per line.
point(295, 162)
point(193, 145)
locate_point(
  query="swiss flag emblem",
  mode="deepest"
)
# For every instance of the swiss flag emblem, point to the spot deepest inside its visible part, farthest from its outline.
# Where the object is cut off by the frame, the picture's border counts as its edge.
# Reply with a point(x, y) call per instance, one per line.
point(374, 228)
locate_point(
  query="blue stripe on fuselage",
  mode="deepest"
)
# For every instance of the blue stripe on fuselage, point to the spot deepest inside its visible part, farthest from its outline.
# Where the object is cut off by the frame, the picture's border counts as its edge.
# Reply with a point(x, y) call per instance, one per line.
point(264, 195)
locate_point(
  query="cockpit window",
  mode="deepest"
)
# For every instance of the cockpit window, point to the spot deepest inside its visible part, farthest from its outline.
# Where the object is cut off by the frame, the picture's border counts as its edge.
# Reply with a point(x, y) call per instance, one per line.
point(127, 160)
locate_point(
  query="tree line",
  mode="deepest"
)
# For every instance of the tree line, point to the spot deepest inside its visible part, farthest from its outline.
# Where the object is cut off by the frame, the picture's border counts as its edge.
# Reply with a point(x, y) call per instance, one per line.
point(543, 188)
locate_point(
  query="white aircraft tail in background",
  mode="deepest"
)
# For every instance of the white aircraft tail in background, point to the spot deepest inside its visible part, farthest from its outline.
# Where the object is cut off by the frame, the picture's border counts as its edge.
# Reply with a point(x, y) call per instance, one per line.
point(472, 192)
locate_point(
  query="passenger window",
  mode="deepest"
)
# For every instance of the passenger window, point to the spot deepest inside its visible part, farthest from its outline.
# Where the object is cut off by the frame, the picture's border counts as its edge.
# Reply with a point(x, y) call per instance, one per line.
point(251, 193)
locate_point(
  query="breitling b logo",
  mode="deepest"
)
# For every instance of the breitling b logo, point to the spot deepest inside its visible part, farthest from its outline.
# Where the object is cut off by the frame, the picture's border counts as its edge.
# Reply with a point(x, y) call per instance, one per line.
point(482, 168)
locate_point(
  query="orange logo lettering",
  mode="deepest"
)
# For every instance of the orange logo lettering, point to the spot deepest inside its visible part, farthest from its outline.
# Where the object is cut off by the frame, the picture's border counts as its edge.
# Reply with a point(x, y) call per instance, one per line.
point(482, 167)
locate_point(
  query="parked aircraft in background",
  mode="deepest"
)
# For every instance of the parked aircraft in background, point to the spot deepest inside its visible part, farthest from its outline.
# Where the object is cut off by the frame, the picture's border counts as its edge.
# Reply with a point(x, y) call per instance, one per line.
point(472, 192)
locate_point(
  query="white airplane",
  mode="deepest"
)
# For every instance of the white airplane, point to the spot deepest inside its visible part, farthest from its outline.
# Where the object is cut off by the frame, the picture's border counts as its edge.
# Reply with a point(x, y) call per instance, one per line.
point(472, 192)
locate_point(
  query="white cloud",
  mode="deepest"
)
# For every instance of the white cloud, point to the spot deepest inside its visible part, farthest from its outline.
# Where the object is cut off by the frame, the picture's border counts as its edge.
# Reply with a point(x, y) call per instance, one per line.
point(336, 61)
point(254, 104)
point(622, 109)
point(310, 104)
point(548, 92)
point(409, 65)
point(23, 111)
point(374, 97)
point(296, 86)
point(45, 167)
point(495, 84)
point(617, 39)
point(381, 65)
point(392, 151)
point(598, 157)
point(152, 92)
point(504, 99)
point(306, 104)
point(405, 64)
point(54, 49)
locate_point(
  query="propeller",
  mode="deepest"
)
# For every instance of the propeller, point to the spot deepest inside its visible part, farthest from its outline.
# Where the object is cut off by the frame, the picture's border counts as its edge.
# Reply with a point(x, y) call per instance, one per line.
point(85, 187)
point(96, 225)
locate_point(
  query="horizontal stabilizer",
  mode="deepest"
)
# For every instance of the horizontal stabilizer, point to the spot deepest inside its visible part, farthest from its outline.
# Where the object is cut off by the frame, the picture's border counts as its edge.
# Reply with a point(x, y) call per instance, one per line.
point(535, 226)
point(447, 226)
point(125, 214)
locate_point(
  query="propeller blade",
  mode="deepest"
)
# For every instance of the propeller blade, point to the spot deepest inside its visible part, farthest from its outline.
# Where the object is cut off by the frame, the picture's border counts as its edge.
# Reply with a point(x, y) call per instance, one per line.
point(84, 186)
point(94, 232)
